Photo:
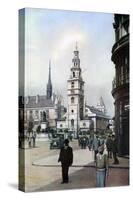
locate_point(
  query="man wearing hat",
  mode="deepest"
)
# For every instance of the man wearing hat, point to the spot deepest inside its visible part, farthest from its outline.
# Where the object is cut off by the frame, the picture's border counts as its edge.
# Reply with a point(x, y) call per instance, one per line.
point(109, 143)
point(114, 150)
point(101, 167)
point(66, 159)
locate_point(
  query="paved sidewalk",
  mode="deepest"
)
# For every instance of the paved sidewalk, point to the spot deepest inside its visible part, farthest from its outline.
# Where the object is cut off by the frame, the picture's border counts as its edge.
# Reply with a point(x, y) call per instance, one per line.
point(85, 178)
point(43, 172)
point(81, 157)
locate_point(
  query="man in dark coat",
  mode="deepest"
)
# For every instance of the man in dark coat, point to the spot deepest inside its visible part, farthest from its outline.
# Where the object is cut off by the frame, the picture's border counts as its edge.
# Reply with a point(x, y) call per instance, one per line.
point(109, 146)
point(114, 150)
point(66, 159)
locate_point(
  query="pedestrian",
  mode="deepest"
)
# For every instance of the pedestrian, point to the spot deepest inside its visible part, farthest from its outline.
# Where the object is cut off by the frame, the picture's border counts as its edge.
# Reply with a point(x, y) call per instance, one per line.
point(114, 150)
point(29, 139)
point(66, 159)
point(109, 143)
point(101, 167)
point(61, 141)
point(95, 146)
point(34, 139)
point(101, 140)
point(83, 142)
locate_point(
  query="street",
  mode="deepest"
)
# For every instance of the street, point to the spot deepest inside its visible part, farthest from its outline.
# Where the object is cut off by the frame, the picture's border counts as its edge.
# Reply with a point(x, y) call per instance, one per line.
point(43, 172)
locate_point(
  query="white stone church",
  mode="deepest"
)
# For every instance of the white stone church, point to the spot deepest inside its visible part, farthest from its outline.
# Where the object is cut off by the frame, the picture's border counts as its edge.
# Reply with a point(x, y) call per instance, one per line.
point(79, 115)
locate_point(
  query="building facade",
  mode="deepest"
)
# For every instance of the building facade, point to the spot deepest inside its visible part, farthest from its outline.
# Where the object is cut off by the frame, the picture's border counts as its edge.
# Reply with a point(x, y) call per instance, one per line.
point(120, 90)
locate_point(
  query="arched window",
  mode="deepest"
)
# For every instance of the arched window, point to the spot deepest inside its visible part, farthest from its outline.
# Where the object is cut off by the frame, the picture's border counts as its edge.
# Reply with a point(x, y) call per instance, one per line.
point(72, 99)
point(72, 111)
point(84, 124)
point(72, 122)
point(73, 74)
point(44, 116)
point(72, 85)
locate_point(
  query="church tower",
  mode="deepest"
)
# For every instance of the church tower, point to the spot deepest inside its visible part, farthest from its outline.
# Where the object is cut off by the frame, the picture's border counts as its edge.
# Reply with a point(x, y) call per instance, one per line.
point(101, 106)
point(75, 91)
point(49, 84)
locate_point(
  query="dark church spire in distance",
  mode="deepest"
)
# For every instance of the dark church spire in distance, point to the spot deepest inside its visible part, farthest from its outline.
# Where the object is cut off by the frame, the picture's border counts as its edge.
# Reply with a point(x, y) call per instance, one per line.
point(49, 84)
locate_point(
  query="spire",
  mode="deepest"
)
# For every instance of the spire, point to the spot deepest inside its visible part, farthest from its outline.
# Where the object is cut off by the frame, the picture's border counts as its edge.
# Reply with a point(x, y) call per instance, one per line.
point(101, 105)
point(76, 60)
point(102, 102)
point(49, 84)
point(49, 71)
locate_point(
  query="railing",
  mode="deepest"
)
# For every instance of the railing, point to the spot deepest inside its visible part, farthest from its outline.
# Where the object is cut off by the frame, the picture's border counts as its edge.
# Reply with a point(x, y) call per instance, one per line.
point(122, 40)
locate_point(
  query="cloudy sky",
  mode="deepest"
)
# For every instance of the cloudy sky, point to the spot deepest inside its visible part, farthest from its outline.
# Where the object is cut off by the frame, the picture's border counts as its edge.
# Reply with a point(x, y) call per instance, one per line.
point(52, 34)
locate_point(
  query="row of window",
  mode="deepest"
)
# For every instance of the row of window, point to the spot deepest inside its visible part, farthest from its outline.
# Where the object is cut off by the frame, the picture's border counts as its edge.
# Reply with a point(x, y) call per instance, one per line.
point(36, 114)
point(72, 123)
point(76, 74)
point(122, 107)
point(122, 76)
point(121, 31)
point(73, 85)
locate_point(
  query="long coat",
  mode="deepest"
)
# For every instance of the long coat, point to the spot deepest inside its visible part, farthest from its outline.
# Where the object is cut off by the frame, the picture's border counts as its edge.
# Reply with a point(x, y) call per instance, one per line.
point(109, 144)
point(66, 156)
point(114, 146)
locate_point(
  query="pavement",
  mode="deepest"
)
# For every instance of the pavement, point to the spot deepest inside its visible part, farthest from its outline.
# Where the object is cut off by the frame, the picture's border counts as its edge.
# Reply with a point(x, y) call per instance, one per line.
point(82, 158)
point(85, 178)
point(43, 172)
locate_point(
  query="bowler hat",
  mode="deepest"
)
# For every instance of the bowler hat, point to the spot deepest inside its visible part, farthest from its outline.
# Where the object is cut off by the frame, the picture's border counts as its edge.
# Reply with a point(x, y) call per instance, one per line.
point(66, 141)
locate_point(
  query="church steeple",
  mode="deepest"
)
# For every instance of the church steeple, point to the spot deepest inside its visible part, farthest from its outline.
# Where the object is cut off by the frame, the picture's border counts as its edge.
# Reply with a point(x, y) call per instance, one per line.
point(75, 94)
point(49, 84)
point(75, 69)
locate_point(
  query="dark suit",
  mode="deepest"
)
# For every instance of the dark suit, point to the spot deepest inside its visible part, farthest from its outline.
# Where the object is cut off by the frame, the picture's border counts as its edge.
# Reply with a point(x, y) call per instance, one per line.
point(109, 144)
point(66, 159)
point(115, 151)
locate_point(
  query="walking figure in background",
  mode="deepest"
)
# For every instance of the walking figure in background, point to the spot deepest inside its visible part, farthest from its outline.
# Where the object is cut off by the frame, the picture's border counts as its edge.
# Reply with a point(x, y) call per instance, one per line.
point(34, 139)
point(101, 167)
point(114, 150)
point(66, 159)
point(29, 140)
point(95, 145)
point(109, 143)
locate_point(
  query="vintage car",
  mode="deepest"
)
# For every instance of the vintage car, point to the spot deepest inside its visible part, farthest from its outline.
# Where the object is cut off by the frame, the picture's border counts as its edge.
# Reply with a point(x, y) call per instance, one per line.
point(57, 141)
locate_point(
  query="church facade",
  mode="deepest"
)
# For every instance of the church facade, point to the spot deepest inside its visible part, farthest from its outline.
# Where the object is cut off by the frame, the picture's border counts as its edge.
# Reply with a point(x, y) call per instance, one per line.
point(79, 116)
point(43, 110)
point(48, 111)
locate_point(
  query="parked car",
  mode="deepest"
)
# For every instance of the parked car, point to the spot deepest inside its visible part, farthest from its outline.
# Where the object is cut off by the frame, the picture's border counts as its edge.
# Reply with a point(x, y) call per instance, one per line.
point(57, 141)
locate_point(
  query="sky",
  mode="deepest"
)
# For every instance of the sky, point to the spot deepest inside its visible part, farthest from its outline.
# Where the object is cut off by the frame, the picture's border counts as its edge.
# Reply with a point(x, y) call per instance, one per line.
point(52, 35)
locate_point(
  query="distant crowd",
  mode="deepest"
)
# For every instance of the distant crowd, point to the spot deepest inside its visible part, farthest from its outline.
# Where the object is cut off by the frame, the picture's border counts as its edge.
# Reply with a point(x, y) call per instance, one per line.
point(94, 141)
